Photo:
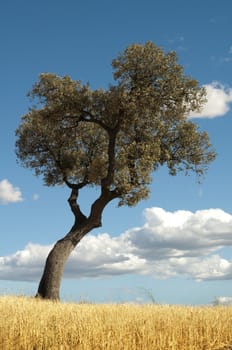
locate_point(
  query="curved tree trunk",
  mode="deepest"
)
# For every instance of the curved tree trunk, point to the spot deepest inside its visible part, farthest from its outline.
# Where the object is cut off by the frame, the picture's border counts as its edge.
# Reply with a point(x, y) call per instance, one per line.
point(49, 286)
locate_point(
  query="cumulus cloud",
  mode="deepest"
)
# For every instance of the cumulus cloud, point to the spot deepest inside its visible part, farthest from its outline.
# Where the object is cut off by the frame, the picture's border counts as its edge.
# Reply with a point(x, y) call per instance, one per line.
point(168, 244)
point(225, 301)
point(218, 102)
point(24, 265)
point(8, 193)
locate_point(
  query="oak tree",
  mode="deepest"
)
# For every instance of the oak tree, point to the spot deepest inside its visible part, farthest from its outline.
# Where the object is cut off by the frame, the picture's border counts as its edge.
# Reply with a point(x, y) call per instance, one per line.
point(113, 139)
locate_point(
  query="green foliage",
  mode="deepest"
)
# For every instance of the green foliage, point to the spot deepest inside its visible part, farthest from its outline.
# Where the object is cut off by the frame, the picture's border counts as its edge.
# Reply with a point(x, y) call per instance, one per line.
point(116, 138)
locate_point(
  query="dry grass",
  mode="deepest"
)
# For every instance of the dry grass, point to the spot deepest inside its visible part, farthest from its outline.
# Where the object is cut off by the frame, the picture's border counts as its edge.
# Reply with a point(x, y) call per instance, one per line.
point(27, 324)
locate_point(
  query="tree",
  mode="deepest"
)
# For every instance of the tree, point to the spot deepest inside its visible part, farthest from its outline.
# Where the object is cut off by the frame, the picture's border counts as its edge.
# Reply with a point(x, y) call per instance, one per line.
point(111, 139)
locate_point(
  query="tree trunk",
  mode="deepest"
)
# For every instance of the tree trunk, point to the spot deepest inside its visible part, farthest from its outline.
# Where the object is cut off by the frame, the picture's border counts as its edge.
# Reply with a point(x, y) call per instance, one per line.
point(49, 286)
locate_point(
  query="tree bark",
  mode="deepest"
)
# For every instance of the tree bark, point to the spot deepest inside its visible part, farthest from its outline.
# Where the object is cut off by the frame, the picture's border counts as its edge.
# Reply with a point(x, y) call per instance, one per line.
point(49, 286)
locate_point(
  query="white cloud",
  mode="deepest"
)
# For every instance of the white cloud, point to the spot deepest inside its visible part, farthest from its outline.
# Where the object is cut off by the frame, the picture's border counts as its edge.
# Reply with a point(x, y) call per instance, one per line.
point(168, 244)
point(8, 193)
point(24, 265)
point(225, 301)
point(35, 197)
point(218, 102)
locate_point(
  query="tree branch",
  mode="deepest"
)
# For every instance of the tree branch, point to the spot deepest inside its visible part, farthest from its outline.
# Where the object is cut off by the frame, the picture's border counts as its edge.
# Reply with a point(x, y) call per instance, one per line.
point(93, 120)
point(79, 216)
point(75, 186)
point(100, 203)
point(107, 181)
point(83, 117)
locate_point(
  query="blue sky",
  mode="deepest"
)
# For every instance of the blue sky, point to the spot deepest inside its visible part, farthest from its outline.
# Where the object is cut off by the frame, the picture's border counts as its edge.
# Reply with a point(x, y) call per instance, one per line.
point(176, 244)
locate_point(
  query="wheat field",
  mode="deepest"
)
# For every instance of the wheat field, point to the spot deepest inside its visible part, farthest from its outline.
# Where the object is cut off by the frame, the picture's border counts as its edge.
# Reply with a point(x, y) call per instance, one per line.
point(31, 324)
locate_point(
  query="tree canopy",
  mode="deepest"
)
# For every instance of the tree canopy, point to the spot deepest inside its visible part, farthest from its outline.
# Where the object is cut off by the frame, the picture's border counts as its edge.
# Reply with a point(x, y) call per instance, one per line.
point(115, 138)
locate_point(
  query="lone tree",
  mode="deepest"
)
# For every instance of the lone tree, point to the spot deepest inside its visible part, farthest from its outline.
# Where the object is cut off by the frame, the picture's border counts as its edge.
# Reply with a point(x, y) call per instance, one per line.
point(111, 139)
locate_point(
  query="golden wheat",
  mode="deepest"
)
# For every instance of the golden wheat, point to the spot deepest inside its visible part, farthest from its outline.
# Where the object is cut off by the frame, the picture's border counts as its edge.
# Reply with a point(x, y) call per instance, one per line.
point(28, 323)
